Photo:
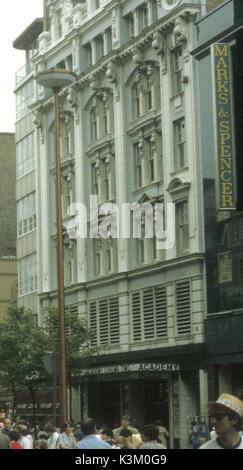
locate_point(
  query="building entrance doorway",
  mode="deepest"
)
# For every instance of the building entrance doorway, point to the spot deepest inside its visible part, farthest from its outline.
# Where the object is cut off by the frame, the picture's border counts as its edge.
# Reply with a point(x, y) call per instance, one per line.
point(146, 401)
point(157, 402)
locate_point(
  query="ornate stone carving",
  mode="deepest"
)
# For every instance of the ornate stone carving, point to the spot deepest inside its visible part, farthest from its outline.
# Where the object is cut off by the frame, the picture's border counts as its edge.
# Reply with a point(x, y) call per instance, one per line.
point(94, 83)
point(180, 30)
point(158, 43)
point(38, 123)
point(113, 77)
point(111, 72)
point(72, 99)
point(137, 56)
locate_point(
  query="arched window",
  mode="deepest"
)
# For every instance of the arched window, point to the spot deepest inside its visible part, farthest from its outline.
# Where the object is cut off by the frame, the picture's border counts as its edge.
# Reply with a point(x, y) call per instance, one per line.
point(101, 115)
point(146, 90)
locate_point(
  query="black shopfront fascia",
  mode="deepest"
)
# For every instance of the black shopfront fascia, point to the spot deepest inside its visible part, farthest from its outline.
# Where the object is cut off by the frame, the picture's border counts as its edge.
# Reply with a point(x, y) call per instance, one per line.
point(223, 346)
point(143, 377)
point(190, 357)
point(224, 337)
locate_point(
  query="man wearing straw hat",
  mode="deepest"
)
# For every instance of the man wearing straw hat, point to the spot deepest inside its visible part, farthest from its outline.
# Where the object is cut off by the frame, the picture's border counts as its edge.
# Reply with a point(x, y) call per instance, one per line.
point(226, 416)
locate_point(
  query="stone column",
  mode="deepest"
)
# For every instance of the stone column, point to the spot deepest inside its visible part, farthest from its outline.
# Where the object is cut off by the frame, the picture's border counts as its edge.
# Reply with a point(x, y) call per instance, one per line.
point(42, 187)
point(203, 387)
point(114, 74)
point(75, 99)
point(188, 405)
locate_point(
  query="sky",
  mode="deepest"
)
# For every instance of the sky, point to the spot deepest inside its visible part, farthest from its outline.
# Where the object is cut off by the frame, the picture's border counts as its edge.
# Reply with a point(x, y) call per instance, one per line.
point(15, 16)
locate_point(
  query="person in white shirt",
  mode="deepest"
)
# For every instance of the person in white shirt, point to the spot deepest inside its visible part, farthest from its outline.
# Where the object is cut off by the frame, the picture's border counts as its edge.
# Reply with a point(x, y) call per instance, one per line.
point(23, 440)
point(226, 416)
point(53, 440)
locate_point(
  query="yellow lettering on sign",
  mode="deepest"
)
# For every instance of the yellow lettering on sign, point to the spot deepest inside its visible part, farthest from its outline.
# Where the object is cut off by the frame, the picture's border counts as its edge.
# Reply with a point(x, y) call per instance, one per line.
point(225, 151)
point(222, 74)
point(225, 163)
point(222, 86)
point(224, 177)
point(219, 51)
point(223, 98)
point(227, 201)
point(223, 138)
point(224, 125)
point(221, 63)
point(227, 188)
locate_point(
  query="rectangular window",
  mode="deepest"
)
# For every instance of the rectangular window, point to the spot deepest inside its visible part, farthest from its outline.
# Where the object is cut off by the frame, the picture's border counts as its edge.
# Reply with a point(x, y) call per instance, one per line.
point(151, 160)
point(131, 26)
point(149, 313)
point(154, 10)
point(106, 180)
point(141, 251)
point(99, 43)
point(98, 266)
point(95, 184)
point(27, 277)
point(25, 156)
point(182, 227)
point(179, 144)
point(24, 97)
point(108, 40)
point(149, 101)
point(105, 118)
point(177, 70)
point(89, 55)
point(69, 62)
point(183, 307)
point(94, 124)
point(26, 214)
point(59, 24)
point(143, 18)
point(108, 259)
point(137, 104)
point(104, 321)
point(138, 165)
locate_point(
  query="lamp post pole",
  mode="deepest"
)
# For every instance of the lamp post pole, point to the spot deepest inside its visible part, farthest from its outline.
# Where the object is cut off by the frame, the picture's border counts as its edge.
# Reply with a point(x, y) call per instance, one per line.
point(60, 271)
point(54, 79)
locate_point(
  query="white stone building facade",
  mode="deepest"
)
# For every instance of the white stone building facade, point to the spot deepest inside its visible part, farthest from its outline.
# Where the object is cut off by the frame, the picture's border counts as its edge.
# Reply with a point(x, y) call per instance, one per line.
point(128, 135)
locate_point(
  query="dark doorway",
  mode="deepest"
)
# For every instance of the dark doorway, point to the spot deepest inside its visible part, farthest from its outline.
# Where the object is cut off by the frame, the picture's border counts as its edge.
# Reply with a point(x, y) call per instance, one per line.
point(157, 402)
point(104, 403)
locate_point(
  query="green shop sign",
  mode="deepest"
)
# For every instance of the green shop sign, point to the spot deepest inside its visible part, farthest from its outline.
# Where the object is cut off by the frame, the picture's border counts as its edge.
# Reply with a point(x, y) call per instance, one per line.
point(223, 128)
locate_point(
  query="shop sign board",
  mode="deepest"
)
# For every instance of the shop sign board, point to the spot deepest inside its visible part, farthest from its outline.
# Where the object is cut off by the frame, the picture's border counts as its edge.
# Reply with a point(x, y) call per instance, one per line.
point(125, 368)
point(225, 177)
point(43, 405)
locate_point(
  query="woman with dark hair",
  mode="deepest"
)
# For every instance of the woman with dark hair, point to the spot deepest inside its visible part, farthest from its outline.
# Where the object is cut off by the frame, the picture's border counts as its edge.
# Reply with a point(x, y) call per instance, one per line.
point(53, 436)
point(14, 440)
point(150, 434)
point(67, 439)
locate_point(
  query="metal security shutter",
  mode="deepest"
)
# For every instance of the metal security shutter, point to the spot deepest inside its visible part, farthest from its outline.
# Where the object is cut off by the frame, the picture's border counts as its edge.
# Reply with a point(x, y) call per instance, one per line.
point(93, 321)
point(161, 311)
point(103, 322)
point(114, 321)
point(148, 313)
point(136, 316)
point(183, 307)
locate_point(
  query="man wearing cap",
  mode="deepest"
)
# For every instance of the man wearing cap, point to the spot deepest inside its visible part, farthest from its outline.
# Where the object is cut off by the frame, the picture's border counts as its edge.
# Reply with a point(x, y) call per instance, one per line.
point(226, 417)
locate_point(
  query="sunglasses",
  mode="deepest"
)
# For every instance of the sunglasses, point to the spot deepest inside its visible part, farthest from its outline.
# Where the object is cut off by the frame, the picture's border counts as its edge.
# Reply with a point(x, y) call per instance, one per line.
point(218, 416)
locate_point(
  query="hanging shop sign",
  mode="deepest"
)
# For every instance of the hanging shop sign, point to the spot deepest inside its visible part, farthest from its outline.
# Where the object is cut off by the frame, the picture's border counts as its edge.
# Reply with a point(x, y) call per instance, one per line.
point(125, 368)
point(43, 404)
point(223, 127)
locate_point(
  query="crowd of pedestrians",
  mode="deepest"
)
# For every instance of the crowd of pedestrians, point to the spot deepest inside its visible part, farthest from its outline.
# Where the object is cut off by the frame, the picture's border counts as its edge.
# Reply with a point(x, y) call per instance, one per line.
point(226, 415)
point(85, 435)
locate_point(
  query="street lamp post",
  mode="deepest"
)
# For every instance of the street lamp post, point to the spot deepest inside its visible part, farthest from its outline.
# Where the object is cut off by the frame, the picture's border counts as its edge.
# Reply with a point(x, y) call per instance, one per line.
point(55, 79)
